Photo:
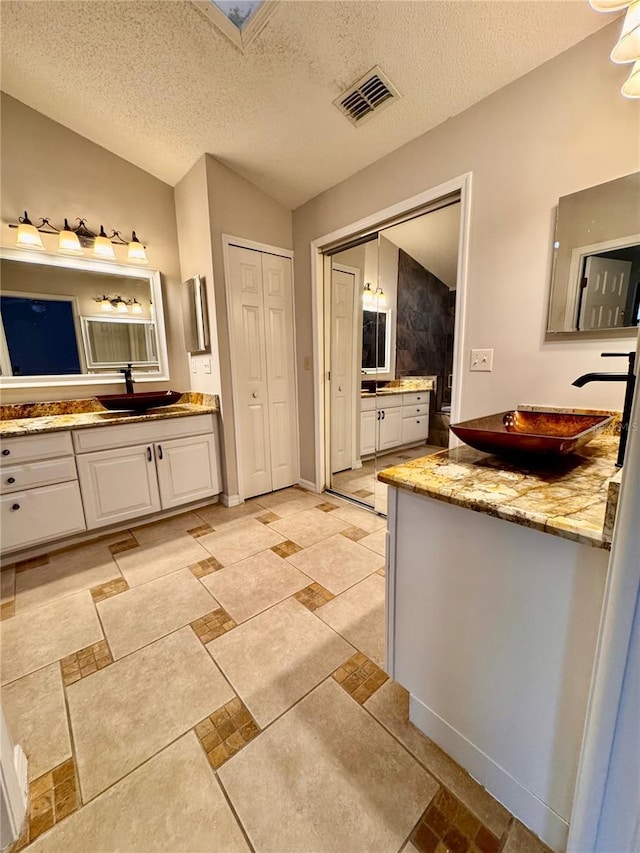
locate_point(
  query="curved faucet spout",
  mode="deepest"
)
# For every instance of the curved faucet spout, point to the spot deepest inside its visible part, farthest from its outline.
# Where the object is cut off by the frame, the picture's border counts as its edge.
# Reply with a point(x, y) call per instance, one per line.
point(600, 377)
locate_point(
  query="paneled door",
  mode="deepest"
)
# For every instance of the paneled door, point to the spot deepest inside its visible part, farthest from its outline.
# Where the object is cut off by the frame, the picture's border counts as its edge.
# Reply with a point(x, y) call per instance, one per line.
point(263, 358)
point(605, 294)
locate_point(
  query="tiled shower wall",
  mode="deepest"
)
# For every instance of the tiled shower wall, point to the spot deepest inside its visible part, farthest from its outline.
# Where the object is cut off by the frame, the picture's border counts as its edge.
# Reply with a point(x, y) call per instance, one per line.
point(425, 323)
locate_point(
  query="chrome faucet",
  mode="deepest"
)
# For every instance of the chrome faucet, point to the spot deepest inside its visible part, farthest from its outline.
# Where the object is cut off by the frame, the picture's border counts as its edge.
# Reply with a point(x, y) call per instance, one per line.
point(128, 378)
point(630, 378)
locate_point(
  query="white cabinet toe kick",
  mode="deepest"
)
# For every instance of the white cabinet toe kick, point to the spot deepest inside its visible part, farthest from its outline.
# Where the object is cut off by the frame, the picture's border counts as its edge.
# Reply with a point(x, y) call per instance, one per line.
point(62, 484)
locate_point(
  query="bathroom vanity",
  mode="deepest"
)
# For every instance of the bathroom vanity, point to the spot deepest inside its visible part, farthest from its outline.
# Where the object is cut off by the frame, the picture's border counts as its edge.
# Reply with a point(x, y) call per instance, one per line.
point(71, 467)
point(395, 415)
point(495, 583)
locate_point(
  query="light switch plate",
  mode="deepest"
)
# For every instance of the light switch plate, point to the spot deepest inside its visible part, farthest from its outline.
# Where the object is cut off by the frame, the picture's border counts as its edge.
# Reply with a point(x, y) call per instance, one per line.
point(194, 365)
point(207, 366)
point(482, 359)
point(307, 362)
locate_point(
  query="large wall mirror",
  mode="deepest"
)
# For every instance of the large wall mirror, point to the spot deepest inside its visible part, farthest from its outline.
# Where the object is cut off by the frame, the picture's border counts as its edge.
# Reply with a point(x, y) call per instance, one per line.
point(75, 321)
point(596, 265)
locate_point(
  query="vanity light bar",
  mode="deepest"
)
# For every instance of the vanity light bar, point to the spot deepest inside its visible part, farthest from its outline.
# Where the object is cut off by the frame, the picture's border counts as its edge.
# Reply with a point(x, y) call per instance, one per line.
point(117, 303)
point(73, 241)
point(627, 48)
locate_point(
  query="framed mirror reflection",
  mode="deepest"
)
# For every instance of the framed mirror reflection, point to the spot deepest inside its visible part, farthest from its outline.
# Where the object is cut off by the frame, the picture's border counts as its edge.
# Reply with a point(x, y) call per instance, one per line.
point(74, 321)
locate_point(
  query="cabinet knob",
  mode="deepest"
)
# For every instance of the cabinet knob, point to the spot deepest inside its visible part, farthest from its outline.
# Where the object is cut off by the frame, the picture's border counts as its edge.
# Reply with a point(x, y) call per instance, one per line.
point(6, 452)
point(339, 387)
point(255, 395)
point(15, 507)
point(417, 422)
point(11, 480)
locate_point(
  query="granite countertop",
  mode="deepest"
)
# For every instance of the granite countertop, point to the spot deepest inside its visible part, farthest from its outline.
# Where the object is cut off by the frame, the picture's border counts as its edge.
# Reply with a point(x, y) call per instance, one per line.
point(574, 496)
point(36, 418)
point(403, 386)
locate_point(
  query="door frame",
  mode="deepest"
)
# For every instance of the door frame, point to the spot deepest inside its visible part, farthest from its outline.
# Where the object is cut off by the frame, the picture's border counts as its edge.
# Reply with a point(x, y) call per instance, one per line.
point(355, 457)
point(374, 222)
point(242, 243)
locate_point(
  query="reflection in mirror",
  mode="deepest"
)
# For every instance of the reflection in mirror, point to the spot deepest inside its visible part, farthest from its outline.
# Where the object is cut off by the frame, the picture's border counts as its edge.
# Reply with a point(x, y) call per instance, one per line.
point(376, 339)
point(196, 320)
point(596, 266)
point(77, 321)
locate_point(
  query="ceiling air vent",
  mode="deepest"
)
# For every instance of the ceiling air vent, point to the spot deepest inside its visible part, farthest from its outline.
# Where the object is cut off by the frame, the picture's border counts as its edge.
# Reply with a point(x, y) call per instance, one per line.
point(371, 93)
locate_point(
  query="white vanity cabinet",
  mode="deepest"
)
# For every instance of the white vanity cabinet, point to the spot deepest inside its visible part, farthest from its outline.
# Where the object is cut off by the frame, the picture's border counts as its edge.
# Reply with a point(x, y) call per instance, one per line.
point(40, 495)
point(392, 420)
point(143, 468)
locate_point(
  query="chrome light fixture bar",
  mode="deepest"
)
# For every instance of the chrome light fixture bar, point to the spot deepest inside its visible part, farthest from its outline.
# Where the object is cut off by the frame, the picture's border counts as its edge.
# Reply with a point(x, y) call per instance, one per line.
point(73, 240)
point(118, 304)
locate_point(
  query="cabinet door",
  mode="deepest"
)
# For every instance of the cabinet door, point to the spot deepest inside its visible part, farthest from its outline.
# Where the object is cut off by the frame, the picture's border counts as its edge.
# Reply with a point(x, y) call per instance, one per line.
point(118, 484)
point(368, 423)
point(390, 428)
point(37, 515)
point(414, 429)
point(187, 470)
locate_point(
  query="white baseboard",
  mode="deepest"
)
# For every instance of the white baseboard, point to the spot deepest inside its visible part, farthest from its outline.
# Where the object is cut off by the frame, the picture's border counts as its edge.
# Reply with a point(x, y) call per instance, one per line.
point(230, 500)
point(308, 485)
point(528, 808)
point(357, 464)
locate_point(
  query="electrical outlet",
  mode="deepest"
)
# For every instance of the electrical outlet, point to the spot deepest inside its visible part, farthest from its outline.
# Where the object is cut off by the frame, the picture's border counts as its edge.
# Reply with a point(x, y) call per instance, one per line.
point(307, 362)
point(482, 359)
point(207, 366)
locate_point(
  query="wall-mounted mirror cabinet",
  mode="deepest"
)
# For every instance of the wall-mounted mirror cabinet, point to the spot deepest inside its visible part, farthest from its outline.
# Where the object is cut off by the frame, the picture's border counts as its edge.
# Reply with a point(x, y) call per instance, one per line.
point(596, 260)
point(76, 321)
point(195, 316)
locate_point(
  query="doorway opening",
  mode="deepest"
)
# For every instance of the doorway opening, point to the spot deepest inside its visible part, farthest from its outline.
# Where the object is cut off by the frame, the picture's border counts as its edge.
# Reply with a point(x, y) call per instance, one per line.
point(390, 336)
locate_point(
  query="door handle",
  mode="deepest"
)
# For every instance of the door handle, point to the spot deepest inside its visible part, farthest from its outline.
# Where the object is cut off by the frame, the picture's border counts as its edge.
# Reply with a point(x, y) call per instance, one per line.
point(383, 415)
point(15, 507)
point(149, 454)
point(339, 387)
point(6, 451)
point(160, 454)
point(255, 395)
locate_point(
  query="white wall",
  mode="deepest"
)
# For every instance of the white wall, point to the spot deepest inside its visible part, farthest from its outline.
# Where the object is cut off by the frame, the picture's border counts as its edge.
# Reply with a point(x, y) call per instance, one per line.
point(50, 171)
point(558, 129)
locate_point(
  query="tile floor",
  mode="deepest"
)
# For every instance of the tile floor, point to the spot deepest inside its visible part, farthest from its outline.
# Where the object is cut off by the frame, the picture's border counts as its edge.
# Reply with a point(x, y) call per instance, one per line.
point(215, 682)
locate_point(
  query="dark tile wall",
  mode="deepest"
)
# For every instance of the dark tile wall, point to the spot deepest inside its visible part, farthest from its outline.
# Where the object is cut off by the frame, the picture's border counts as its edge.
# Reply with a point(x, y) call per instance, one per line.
point(425, 322)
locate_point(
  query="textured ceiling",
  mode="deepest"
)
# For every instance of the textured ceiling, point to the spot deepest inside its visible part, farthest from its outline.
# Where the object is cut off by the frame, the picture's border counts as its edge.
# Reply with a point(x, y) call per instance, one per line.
point(158, 84)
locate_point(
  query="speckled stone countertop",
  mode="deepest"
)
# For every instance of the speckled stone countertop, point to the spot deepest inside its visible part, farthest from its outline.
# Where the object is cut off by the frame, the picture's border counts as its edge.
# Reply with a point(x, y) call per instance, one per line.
point(404, 386)
point(34, 418)
point(572, 496)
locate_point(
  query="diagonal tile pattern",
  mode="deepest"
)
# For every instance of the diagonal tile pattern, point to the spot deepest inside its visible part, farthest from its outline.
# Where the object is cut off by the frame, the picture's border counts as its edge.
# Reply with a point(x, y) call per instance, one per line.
point(269, 613)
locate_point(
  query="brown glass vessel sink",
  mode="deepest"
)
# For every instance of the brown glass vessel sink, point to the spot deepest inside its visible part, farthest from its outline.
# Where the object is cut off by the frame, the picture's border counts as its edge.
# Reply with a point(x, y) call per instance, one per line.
point(139, 402)
point(530, 433)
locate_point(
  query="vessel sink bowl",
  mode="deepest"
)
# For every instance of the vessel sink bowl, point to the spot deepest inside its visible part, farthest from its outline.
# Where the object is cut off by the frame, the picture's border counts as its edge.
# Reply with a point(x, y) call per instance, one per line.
point(530, 433)
point(139, 402)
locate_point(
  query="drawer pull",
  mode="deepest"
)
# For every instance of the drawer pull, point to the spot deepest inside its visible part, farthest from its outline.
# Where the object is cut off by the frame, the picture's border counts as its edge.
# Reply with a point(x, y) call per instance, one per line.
point(383, 416)
point(11, 480)
point(15, 507)
point(160, 456)
point(149, 454)
point(6, 451)
point(417, 422)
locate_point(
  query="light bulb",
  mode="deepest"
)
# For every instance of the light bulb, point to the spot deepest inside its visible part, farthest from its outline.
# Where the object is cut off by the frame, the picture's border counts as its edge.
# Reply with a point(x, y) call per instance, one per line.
point(136, 252)
point(121, 305)
point(382, 299)
point(102, 247)
point(631, 86)
point(628, 46)
point(28, 236)
point(368, 299)
point(105, 304)
point(136, 307)
point(68, 242)
point(609, 5)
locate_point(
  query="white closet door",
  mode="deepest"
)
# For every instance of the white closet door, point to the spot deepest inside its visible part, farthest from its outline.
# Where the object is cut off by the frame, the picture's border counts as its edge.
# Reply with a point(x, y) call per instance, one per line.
point(249, 367)
point(278, 307)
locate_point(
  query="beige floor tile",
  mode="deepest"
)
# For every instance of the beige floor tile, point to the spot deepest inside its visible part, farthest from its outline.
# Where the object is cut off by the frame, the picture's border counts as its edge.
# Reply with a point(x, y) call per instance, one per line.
point(390, 705)
point(40, 637)
point(326, 777)
point(277, 657)
point(66, 573)
point(289, 501)
point(125, 713)
point(145, 613)
point(156, 559)
point(166, 529)
point(240, 540)
point(309, 526)
point(337, 563)
point(521, 840)
point(358, 615)
point(218, 515)
point(252, 585)
point(172, 803)
point(7, 585)
point(37, 718)
point(376, 541)
point(410, 848)
point(361, 518)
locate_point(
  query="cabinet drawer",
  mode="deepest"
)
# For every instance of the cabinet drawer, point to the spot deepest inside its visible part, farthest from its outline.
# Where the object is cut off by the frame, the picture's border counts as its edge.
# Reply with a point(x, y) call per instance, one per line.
point(417, 409)
point(389, 401)
point(416, 397)
point(38, 515)
point(27, 448)
point(126, 435)
point(367, 404)
point(414, 429)
point(32, 474)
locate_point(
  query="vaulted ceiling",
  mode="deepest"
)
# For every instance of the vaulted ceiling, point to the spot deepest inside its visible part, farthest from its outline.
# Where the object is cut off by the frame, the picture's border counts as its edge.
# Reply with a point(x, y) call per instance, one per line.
point(158, 84)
